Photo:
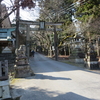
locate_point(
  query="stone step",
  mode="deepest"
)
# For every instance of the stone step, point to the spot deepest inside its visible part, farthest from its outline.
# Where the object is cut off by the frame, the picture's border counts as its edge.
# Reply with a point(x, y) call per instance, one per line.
point(4, 89)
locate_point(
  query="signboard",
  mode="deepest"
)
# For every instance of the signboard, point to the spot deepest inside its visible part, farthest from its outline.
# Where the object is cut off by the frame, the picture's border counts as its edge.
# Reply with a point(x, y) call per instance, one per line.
point(42, 25)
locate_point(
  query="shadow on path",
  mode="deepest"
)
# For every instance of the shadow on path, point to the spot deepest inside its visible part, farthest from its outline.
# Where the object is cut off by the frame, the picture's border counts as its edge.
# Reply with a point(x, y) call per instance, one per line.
point(41, 76)
point(34, 93)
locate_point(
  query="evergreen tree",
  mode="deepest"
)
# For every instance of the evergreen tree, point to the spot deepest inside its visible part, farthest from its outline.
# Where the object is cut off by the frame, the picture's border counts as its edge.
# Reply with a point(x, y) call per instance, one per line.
point(88, 11)
point(88, 14)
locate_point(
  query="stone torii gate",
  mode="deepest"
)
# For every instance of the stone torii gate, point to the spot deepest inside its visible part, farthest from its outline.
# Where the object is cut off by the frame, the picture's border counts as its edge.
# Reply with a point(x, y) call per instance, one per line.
point(42, 25)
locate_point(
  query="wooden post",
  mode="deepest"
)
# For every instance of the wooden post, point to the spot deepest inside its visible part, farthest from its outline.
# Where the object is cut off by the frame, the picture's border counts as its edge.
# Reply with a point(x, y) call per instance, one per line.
point(27, 41)
point(97, 45)
point(0, 76)
point(0, 14)
point(6, 67)
point(0, 91)
point(17, 26)
point(50, 50)
point(0, 69)
point(56, 43)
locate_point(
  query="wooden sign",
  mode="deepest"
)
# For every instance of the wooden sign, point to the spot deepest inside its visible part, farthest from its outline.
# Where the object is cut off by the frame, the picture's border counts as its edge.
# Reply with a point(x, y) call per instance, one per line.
point(42, 25)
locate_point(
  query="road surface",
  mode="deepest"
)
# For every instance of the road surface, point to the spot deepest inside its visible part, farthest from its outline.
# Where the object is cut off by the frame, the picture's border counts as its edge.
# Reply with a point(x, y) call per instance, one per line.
point(55, 80)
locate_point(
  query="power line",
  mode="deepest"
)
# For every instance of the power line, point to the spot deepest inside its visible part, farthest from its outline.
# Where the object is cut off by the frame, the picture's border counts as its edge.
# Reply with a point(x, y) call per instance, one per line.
point(67, 8)
point(64, 10)
point(72, 6)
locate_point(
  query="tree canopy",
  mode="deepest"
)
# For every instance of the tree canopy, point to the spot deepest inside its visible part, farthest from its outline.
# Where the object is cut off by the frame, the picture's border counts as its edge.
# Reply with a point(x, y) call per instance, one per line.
point(88, 11)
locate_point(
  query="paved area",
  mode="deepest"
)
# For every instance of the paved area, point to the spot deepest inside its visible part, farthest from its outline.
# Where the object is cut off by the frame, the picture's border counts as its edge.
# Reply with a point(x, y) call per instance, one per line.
point(55, 80)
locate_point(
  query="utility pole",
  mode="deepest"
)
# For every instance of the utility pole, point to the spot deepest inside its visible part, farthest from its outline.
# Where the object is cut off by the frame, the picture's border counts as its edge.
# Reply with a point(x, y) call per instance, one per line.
point(28, 40)
point(0, 14)
point(17, 24)
point(56, 43)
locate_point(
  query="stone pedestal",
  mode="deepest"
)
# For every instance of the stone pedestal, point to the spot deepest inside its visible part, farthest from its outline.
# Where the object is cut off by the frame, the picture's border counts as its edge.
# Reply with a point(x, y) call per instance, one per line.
point(4, 89)
point(78, 55)
point(21, 60)
point(22, 66)
point(92, 64)
point(79, 60)
point(23, 71)
point(3, 70)
point(91, 60)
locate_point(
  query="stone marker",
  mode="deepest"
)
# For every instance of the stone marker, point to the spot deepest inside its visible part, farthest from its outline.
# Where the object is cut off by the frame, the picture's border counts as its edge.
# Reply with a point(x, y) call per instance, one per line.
point(6, 50)
point(4, 89)
point(6, 92)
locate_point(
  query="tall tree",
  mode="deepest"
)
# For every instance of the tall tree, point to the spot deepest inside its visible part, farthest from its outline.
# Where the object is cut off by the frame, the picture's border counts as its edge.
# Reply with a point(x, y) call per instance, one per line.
point(88, 14)
point(58, 10)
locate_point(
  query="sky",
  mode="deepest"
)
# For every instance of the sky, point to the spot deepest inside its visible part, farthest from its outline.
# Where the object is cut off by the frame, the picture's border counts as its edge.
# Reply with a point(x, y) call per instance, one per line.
point(25, 14)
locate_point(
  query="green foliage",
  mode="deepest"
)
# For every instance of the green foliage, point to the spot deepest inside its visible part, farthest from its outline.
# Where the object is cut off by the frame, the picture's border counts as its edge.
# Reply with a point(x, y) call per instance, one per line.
point(57, 11)
point(89, 10)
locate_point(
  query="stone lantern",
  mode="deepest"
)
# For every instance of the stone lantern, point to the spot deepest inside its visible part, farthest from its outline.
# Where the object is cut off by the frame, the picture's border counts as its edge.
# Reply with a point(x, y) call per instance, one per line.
point(91, 60)
point(78, 52)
